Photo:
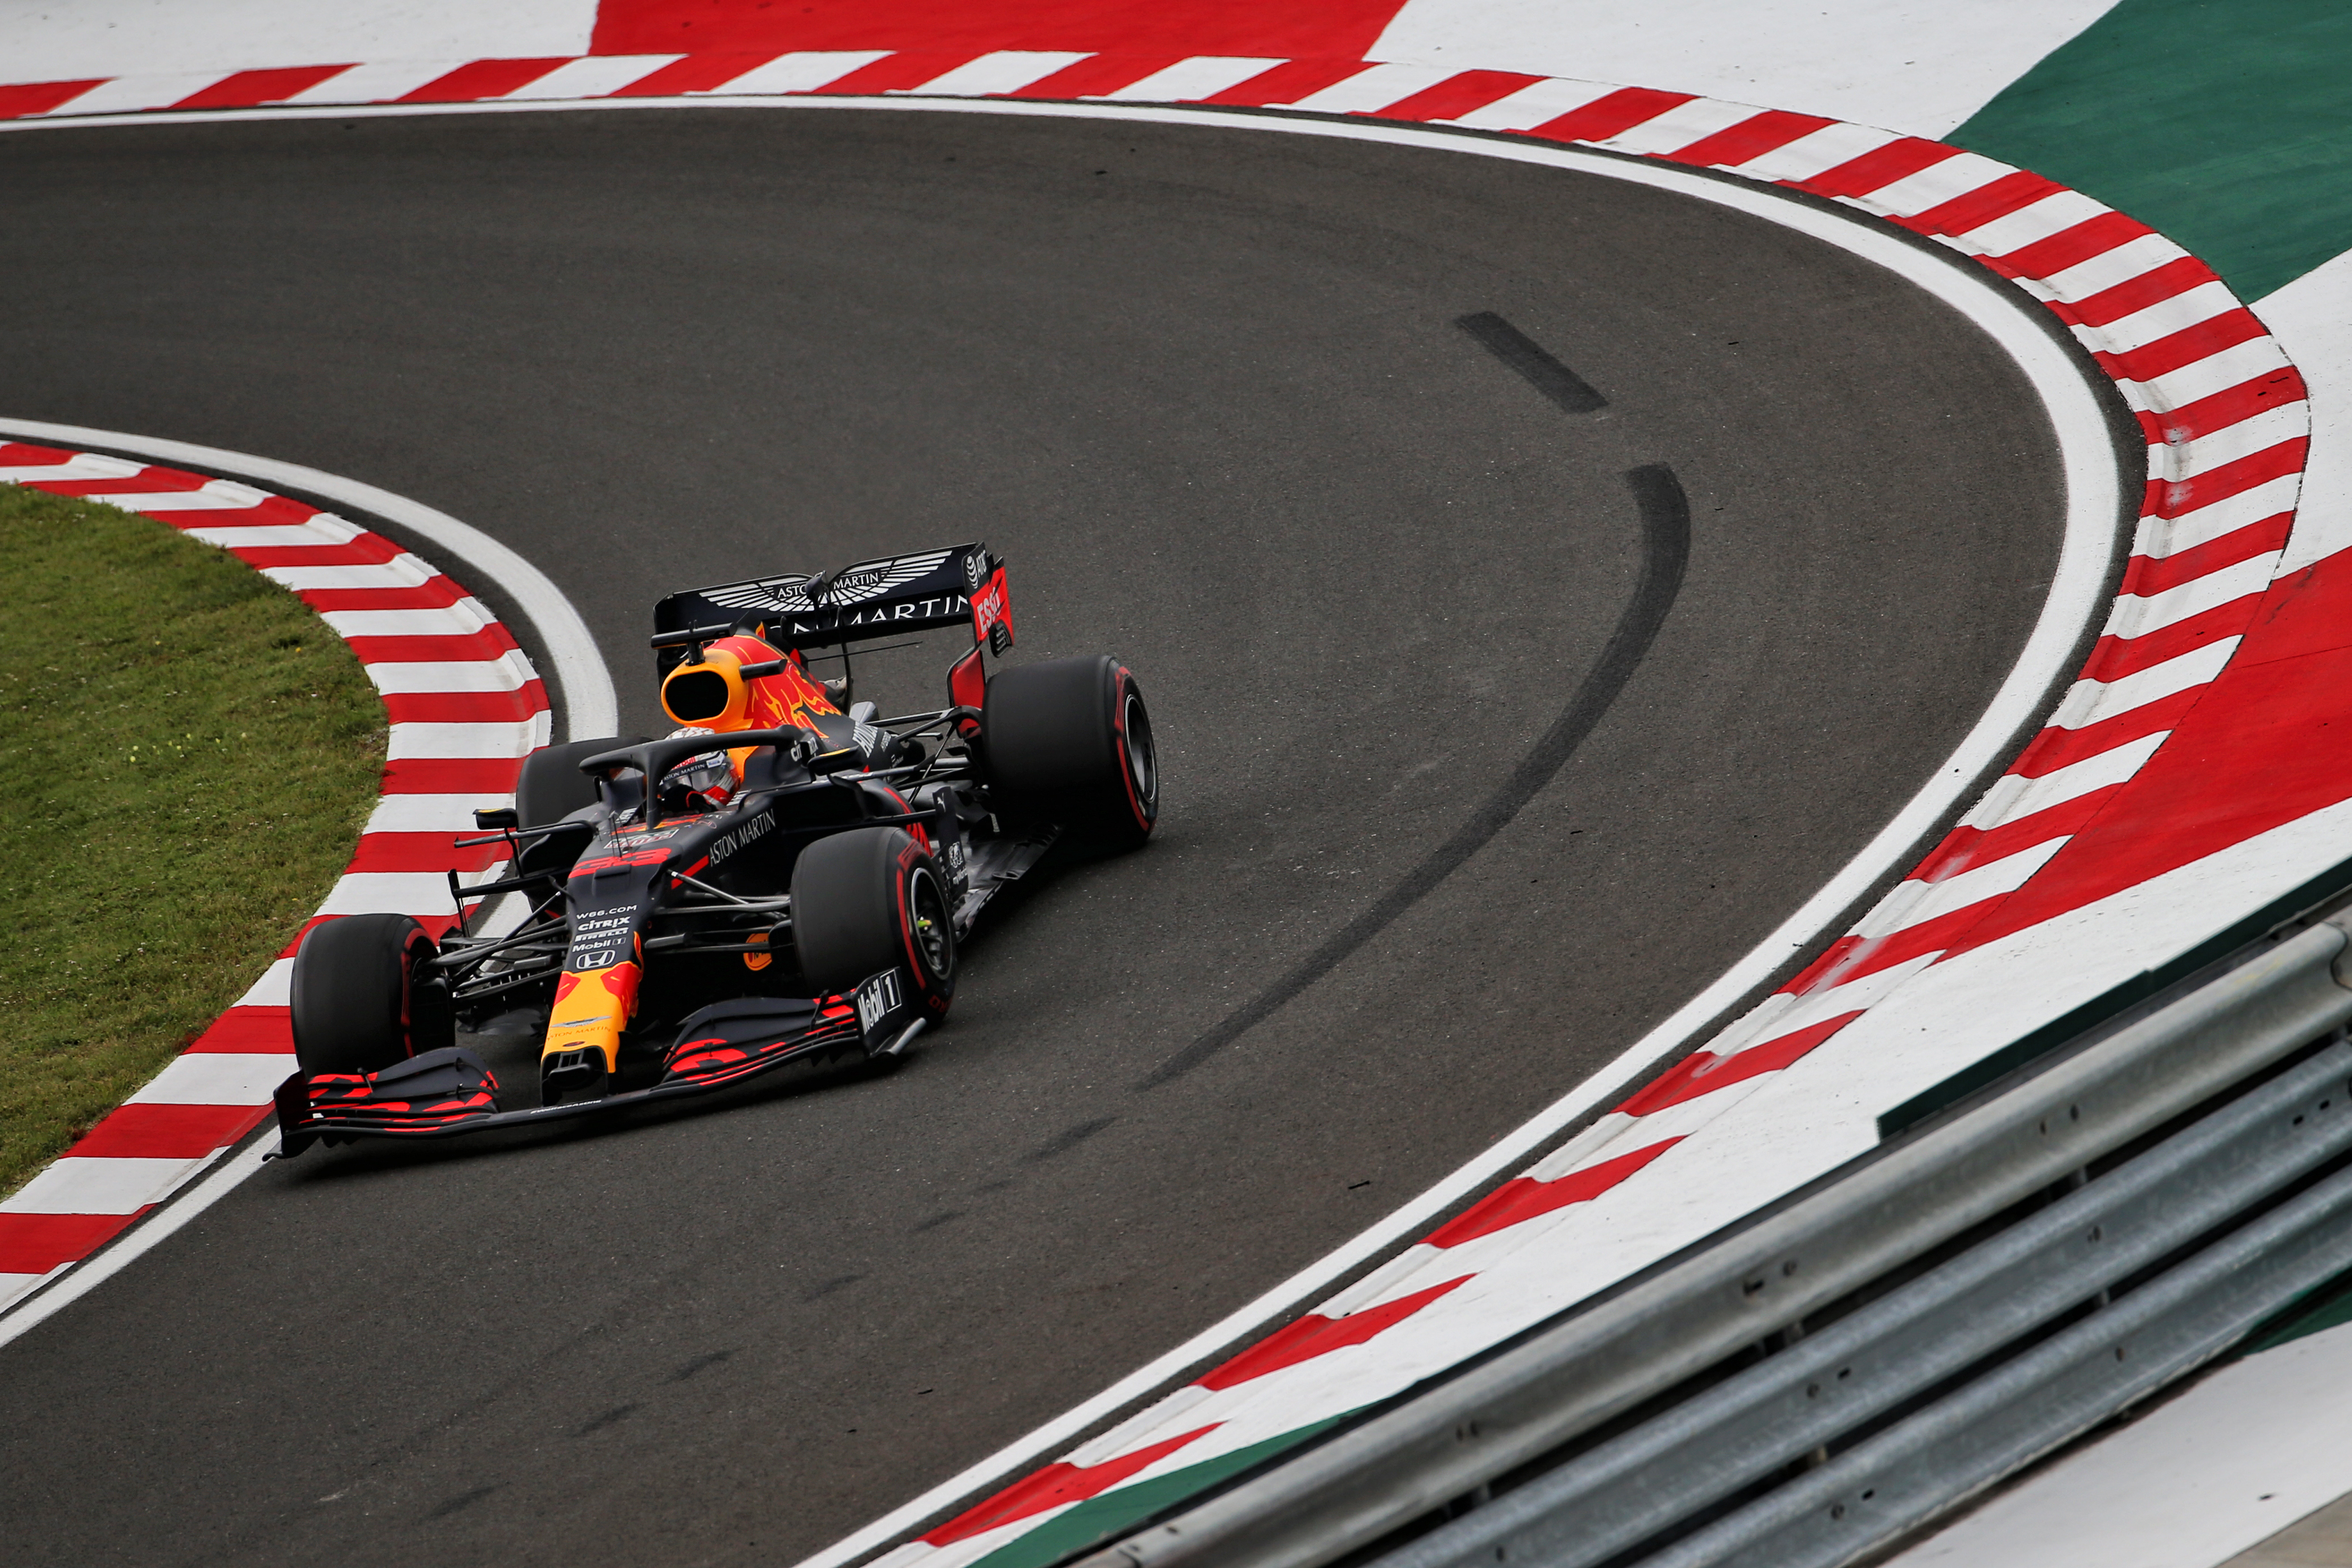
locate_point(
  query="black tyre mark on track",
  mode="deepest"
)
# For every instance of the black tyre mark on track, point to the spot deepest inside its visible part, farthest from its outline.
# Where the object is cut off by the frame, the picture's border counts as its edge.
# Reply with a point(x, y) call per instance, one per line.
point(1068, 1138)
point(1527, 356)
point(1665, 554)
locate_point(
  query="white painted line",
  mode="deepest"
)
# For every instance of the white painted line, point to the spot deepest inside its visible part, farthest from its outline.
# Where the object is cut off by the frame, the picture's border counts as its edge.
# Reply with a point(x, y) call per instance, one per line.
point(216, 1078)
point(274, 989)
point(77, 1280)
point(593, 77)
point(2034, 221)
point(1535, 104)
point(378, 83)
point(1375, 87)
point(2017, 797)
point(1817, 152)
point(83, 467)
point(390, 893)
point(2090, 701)
point(505, 673)
point(12, 1286)
point(326, 528)
point(1202, 76)
point(1681, 126)
point(2137, 615)
point(517, 738)
point(108, 1185)
point(1927, 900)
point(402, 571)
point(461, 619)
point(2170, 536)
point(160, 90)
point(584, 686)
point(804, 70)
point(1006, 70)
point(430, 813)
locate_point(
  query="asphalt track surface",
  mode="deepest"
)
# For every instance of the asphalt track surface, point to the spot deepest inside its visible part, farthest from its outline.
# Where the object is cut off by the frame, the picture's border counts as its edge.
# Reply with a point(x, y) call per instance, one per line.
point(1208, 390)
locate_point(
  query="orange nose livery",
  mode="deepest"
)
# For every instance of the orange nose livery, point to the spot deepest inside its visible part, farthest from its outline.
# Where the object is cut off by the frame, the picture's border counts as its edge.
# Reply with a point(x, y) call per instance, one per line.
point(591, 1009)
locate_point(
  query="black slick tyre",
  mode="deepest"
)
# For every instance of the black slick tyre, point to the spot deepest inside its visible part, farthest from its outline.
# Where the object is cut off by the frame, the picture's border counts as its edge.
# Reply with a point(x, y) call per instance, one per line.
point(552, 788)
point(365, 996)
point(870, 899)
point(1069, 740)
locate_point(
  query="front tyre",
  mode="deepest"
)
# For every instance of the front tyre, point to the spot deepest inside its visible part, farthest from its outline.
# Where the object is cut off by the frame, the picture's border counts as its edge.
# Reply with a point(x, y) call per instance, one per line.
point(870, 899)
point(1069, 740)
point(366, 995)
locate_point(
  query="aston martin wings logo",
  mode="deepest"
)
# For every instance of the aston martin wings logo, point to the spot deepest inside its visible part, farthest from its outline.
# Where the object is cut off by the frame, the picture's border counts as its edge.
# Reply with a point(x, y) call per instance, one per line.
point(766, 593)
point(875, 579)
point(851, 585)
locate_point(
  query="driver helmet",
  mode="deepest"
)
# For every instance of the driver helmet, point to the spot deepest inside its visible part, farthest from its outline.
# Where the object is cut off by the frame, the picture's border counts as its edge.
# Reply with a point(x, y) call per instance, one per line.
point(705, 781)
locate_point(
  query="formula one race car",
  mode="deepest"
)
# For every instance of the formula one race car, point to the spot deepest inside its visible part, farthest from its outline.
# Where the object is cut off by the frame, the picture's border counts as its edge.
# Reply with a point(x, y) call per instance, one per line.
point(785, 877)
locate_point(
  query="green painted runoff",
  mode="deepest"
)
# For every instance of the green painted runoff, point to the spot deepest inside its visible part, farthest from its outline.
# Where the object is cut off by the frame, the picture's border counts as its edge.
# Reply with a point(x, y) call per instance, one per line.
point(1116, 1512)
point(2225, 124)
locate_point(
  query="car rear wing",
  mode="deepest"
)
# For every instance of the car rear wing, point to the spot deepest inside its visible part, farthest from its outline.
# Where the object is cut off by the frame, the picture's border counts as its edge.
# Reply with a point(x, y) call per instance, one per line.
point(872, 599)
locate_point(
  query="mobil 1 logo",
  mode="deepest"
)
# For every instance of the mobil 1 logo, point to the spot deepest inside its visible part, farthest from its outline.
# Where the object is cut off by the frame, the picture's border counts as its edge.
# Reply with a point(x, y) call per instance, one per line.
point(878, 997)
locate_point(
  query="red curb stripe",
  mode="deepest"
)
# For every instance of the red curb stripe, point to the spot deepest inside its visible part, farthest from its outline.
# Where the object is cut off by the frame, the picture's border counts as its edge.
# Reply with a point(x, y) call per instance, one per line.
point(1967, 848)
point(1523, 1198)
point(433, 594)
point(2072, 247)
point(1704, 1072)
point(1878, 169)
point(897, 72)
point(367, 550)
point(2234, 405)
point(694, 73)
point(2146, 575)
point(1056, 1485)
point(2056, 748)
point(479, 79)
point(1750, 139)
point(2185, 347)
point(36, 1243)
point(422, 852)
point(1457, 95)
point(2113, 657)
point(449, 648)
point(1974, 209)
point(2179, 498)
point(249, 1031)
point(1605, 117)
point(1316, 1335)
point(40, 97)
point(452, 776)
point(144, 1131)
point(1093, 76)
point(1287, 83)
point(246, 90)
point(2137, 294)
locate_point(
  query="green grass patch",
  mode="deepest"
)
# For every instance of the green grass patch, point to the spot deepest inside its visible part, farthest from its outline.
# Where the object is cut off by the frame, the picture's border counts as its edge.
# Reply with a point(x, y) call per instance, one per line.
point(187, 755)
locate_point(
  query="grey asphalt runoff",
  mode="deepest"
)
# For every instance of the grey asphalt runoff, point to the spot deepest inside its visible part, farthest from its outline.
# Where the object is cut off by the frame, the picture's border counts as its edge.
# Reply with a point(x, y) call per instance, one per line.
point(1206, 390)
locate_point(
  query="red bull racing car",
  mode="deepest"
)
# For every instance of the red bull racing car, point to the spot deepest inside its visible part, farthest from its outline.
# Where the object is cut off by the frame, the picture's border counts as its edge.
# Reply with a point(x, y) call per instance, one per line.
point(786, 877)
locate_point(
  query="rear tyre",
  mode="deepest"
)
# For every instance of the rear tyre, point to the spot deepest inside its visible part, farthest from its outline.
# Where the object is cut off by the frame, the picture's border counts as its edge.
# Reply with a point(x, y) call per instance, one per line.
point(868, 899)
point(552, 788)
point(365, 995)
point(1069, 740)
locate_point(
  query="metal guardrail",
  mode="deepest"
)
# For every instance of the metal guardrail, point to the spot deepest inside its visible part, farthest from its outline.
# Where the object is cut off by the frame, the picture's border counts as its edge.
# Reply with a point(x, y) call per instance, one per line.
point(1832, 1373)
